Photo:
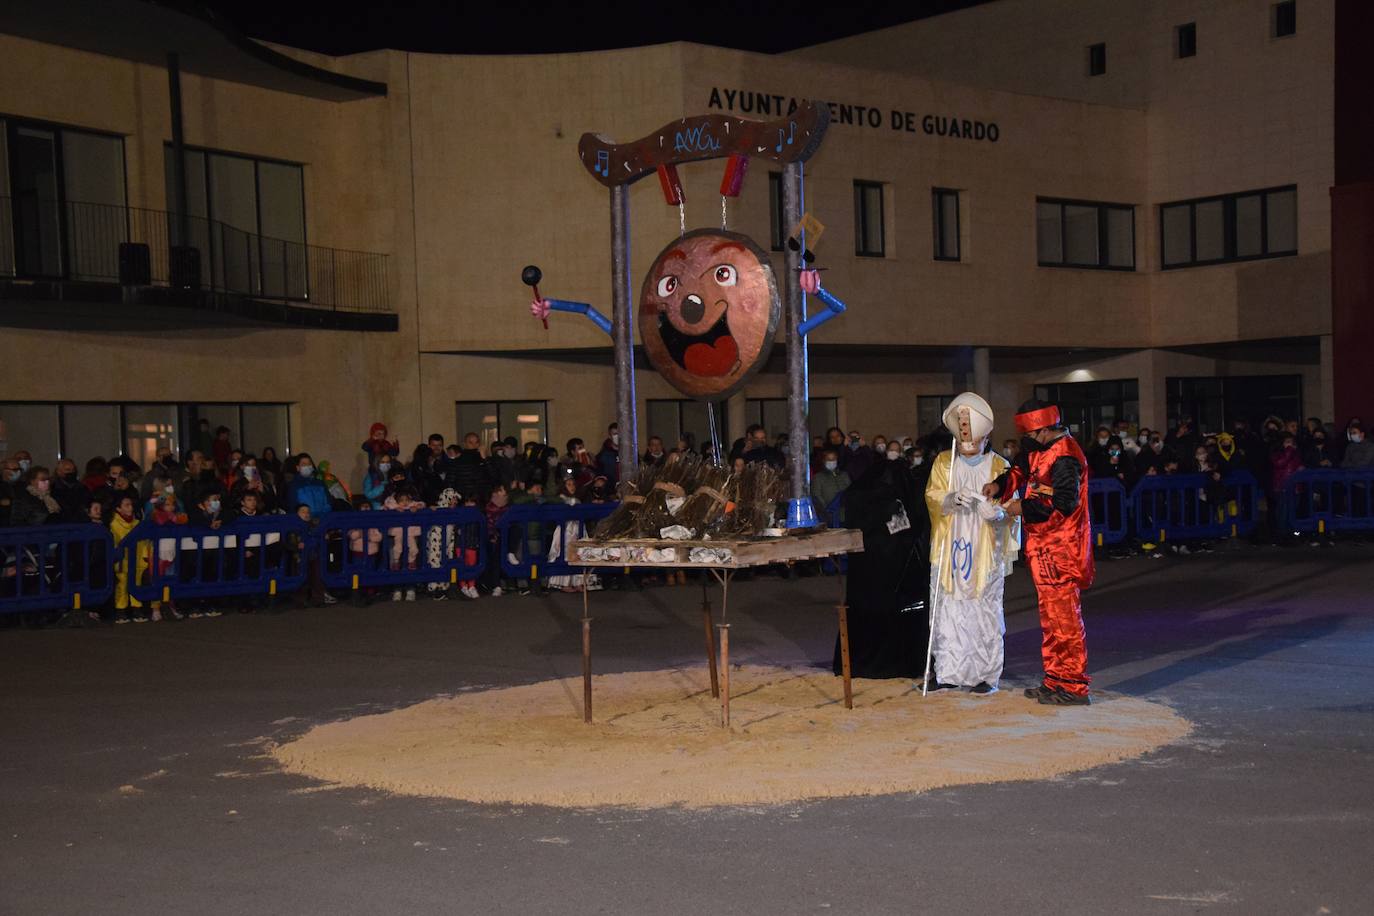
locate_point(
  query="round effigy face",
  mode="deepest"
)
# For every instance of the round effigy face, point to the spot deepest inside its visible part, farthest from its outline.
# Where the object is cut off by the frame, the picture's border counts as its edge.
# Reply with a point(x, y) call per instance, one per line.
point(708, 311)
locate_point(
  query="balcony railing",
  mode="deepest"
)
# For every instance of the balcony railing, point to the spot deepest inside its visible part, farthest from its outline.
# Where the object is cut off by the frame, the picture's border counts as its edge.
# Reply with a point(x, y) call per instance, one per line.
point(131, 246)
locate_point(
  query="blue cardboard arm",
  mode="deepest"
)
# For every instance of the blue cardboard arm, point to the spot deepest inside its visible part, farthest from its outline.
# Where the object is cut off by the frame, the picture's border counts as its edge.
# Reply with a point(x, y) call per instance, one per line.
point(833, 307)
point(598, 319)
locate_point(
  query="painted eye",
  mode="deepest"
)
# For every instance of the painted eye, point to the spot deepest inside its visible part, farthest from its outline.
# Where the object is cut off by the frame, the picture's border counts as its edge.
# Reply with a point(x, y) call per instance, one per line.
point(725, 275)
point(667, 285)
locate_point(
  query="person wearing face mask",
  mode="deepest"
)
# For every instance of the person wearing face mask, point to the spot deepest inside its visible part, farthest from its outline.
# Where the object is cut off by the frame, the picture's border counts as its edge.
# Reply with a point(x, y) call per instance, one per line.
point(34, 504)
point(1010, 449)
point(1318, 454)
point(1048, 488)
point(378, 446)
point(1099, 444)
point(1112, 463)
point(306, 489)
point(826, 486)
point(74, 499)
point(1359, 451)
point(608, 459)
point(375, 481)
point(973, 544)
point(252, 480)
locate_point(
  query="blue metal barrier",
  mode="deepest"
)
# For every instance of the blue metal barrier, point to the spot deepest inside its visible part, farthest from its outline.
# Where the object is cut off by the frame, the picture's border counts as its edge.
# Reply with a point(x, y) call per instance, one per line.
point(1328, 499)
point(1195, 506)
point(55, 567)
point(263, 554)
point(1108, 510)
point(394, 548)
point(834, 517)
point(527, 533)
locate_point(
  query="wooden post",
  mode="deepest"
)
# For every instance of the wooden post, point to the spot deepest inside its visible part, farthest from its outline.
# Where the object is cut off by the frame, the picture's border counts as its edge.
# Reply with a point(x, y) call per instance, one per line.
point(710, 637)
point(724, 674)
point(844, 655)
point(586, 655)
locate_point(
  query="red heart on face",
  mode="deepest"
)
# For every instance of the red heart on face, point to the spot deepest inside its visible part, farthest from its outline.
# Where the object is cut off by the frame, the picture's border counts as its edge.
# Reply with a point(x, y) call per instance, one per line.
point(709, 360)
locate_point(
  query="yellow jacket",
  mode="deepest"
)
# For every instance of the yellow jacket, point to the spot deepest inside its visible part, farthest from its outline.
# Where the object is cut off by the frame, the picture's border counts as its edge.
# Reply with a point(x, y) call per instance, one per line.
point(997, 544)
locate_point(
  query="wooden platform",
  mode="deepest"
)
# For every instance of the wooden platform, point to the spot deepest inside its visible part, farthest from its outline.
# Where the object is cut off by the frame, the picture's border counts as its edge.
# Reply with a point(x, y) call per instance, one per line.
point(724, 553)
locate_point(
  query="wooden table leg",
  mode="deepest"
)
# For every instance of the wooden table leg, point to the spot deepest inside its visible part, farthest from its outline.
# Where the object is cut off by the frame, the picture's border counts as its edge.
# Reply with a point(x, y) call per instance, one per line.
point(586, 656)
point(844, 656)
point(710, 637)
point(724, 674)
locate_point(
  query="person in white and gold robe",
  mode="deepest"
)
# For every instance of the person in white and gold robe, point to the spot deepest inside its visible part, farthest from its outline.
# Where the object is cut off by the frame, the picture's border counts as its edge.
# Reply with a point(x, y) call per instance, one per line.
point(973, 544)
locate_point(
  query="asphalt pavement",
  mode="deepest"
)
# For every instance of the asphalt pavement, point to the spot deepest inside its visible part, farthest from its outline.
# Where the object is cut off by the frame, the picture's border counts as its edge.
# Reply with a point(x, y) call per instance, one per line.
point(133, 780)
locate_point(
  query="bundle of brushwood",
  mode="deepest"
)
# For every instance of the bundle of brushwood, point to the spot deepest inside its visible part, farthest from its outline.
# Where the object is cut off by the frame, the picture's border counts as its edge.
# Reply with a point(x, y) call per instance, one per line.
point(755, 493)
point(623, 522)
point(667, 494)
point(707, 502)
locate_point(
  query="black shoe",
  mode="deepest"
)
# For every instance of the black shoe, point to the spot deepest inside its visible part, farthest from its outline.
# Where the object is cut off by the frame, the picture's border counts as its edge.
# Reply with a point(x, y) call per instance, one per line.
point(1064, 698)
point(1038, 692)
point(981, 687)
point(934, 684)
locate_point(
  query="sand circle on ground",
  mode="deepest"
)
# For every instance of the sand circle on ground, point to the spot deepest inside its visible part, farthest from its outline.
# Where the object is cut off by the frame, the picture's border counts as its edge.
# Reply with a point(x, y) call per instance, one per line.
point(657, 741)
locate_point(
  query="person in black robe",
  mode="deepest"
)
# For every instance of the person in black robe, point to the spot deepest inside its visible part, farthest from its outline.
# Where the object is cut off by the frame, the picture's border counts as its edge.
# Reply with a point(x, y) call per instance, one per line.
point(889, 583)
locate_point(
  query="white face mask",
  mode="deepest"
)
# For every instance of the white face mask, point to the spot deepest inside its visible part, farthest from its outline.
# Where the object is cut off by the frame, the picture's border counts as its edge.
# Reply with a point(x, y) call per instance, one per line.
point(893, 454)
point(831, 465)
point(25, 464)
point(1102, 440)
point(306, 470)
point(1357, 437)
point(384, 466)
point(918, 461)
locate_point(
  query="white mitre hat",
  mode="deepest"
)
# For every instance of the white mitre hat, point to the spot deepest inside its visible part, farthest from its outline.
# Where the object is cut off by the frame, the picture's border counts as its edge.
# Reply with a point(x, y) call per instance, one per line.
point(979, 416)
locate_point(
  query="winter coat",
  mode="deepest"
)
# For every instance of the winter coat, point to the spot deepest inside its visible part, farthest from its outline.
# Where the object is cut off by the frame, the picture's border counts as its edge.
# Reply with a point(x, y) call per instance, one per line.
point(29, 508)
point(1358, 455)
point(309, 491)
point(74, 499)
point(1283, 464)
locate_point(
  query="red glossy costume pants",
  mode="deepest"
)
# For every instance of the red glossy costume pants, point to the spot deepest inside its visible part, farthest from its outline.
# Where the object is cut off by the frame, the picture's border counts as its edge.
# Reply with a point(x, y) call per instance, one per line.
point(1062, 645)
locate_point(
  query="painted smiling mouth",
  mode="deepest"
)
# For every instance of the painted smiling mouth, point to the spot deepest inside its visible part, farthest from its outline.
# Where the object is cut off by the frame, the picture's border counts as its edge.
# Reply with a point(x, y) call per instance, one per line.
point(711, 354)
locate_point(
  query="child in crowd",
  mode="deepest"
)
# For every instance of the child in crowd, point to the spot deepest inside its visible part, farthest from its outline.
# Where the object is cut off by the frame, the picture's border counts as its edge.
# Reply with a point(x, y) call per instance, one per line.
point(497, 506)
point(404, 539)
point(441, 543)
point(364, 547)
point(165, 509)
point(378, 447)
point(122, 521)
point(471, 541)
point(565, 534)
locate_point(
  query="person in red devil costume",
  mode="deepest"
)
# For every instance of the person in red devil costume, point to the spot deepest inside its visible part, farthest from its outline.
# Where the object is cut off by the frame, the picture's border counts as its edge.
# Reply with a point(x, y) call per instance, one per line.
point(1048, 487)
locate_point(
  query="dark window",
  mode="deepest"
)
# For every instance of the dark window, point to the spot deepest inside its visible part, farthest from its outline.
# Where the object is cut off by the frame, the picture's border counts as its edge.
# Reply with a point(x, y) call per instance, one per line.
point(777, 218)
point(929, 409)
point(1285, 19)
point(527, 421)
point(1087, 405)
point(1074, 233)
point(1185, 40)
point(1097, 59)
point(246, 216)
point(868, 219)
point(671, 420)
point(772, 415)
point(84, 430)
point(945, 205)
point(1216, 402)
point(1229, 227)
point(62, 202)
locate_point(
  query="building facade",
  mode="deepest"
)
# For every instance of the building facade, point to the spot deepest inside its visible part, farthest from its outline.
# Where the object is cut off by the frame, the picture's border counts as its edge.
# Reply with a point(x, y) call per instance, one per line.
point(1126, 207)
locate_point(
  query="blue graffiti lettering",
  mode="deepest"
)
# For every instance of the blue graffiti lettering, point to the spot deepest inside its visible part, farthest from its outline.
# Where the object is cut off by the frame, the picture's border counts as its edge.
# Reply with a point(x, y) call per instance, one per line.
point(695, 140)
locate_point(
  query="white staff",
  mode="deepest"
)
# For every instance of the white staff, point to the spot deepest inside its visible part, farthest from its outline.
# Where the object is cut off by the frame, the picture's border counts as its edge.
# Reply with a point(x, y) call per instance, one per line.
point(935, 594)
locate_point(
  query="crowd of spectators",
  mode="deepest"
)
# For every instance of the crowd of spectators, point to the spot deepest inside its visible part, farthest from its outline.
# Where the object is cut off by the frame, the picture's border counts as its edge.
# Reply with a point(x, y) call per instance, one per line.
point(216, 482)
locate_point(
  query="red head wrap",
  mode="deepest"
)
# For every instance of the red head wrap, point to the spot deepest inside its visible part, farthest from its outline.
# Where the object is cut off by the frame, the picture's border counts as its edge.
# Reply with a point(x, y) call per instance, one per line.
point(1037, 419)
point(376, 427)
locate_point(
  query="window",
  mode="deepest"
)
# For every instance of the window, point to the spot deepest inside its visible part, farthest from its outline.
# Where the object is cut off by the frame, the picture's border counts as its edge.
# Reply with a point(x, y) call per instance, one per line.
point(929, 409)
point(527, 421)
point(671, 420)
point(1216, 402)
point(777, 217)
point(772, 415)
point(1084, 234)
point(1087, 405)
point(1185, 40)
point(247, 220)
point(945, 205)
point(82, 431)
point(1285, 19)
point(1230, 227)
point(1097, 59)
point(62, 202)
point(868, 219)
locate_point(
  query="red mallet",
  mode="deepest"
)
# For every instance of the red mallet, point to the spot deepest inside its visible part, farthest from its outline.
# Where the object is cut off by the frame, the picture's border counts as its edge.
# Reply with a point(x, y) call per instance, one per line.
point(671, 184)
point(735, 167)
point(531, 276)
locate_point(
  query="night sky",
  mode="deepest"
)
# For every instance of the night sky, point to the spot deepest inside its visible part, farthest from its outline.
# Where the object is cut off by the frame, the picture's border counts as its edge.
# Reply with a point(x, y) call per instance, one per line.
point(522, 28)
